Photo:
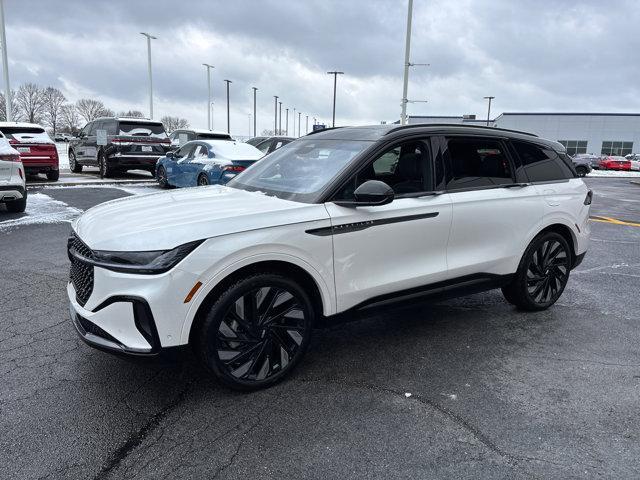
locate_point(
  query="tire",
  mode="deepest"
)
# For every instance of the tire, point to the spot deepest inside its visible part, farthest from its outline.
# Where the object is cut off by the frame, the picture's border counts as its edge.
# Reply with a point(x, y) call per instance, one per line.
point(271, 340)
point(105, 170)
point(542, 274)
point(581, 171)
point(53, 175)
point(74, 166)
point(161, 177)
point(202, 180)
point(17, 206)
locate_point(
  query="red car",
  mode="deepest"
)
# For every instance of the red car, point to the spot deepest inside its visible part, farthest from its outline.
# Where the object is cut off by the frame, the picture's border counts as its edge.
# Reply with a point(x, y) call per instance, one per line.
point(37, 150)
point(615, 163)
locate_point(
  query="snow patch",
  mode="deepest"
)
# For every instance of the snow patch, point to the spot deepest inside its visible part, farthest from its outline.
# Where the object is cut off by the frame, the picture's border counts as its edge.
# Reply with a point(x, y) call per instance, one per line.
point(613, 173)
point(42, 209)
point(407, 394)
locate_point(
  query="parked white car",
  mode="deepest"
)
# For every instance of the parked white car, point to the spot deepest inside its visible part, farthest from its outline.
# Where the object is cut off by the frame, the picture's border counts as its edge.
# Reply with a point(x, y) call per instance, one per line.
point(13, 188)
point(341, 219)
point(634, 158)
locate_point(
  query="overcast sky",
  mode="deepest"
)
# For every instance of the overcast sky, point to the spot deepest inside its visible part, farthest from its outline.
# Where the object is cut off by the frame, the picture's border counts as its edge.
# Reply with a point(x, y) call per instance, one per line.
point(531, 55)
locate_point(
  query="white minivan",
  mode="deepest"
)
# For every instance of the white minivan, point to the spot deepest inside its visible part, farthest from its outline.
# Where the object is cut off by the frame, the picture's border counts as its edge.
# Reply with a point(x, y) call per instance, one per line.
point(13, 189)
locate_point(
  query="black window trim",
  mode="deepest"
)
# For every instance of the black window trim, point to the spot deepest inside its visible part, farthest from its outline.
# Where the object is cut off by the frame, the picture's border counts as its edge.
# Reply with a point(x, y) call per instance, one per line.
point(374, 154)
point(516, 166)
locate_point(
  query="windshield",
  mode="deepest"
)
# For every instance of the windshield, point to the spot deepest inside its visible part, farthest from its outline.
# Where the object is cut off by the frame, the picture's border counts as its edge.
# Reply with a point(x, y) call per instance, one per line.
point(300, 170)
point(27, 134)
point(142, 129)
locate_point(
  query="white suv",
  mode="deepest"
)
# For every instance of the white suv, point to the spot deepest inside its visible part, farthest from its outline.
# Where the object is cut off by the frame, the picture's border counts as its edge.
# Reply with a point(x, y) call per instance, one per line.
point(338, 220)
point(13, 188)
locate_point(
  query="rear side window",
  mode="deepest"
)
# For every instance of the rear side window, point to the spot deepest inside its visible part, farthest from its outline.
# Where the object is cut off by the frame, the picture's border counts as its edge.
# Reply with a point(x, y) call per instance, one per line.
point(142, 129)
point(541, 164)
point(476, 163)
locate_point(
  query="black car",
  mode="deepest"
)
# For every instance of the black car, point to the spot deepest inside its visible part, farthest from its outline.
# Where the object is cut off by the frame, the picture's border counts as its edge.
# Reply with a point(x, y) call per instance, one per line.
point(255, 140)
point(270, 144)
point(184, 135)
point(116, 145)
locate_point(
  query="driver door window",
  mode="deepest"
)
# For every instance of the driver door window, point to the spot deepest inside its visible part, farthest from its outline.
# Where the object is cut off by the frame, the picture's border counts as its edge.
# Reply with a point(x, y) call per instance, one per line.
point(184, 153)
point(200, 153)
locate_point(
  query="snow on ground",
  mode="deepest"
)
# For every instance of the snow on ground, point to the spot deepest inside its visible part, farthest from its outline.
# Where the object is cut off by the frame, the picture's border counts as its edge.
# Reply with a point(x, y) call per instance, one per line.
point(613, 173)
point(42, 208)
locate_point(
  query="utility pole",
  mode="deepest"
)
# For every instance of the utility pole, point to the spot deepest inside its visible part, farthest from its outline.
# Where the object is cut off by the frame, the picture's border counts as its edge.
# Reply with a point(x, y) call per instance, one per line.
point(149, 38)
point(407, 53)
point(254, 110)
point(489, 109)
point(306, 125)
point(299, 118)
point(286, 125)
point(208, 67)
point(228, 116)
point(294, 123)
point(249, 124)
point(335, 80)
point(275, 115)
point(279, 119)
point(5, 65)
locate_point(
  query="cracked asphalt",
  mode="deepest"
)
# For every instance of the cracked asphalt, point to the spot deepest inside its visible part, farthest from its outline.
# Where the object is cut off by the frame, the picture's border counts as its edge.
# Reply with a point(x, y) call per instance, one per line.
point(494, 393)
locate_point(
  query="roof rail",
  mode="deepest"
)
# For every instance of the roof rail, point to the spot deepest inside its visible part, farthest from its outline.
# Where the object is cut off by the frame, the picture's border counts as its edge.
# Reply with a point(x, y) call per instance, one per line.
point(313, 132)
point(460, 125)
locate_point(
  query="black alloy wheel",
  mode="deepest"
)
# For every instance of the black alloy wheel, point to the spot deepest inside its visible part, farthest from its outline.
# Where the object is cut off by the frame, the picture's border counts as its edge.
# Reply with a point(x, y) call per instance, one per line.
point(257, 331)
point(161, 176)
point(202, 180)
point(542, 275)
point(73, 164)
point(581, 171)
point(102, 164)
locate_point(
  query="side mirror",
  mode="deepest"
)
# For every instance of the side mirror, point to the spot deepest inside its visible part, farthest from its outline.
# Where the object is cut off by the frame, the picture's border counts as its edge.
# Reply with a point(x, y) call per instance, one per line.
point(171, 154)
point(370, 194)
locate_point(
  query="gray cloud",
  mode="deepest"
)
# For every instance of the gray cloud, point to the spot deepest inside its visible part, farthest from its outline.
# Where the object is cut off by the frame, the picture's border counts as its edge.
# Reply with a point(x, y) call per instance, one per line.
point(532, 55)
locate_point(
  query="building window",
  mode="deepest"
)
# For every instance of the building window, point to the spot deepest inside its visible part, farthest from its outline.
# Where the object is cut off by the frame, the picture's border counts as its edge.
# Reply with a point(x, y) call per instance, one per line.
point(574, 146)
point(616, 148)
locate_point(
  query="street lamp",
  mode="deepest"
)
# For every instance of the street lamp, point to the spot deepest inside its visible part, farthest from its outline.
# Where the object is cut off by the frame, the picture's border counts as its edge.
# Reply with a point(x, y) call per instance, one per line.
point(275, 113)
point(299, 118)
point(149, 38)
point(5, 65)
point(250, 124)
point(208, 67)
point(489, 108)
point(294, 123)
point(279, 119)
point(335, 80)
point(255, 89)
point(228, 116)
point(407, 53)
point(286, 124)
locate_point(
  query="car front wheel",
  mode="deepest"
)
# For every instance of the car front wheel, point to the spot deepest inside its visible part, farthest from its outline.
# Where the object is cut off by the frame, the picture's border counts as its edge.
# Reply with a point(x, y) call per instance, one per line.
point(542, 274)
point(202, 180)
point(257, 331)
point(74, 166)
point(161, 177)
point(581, 171)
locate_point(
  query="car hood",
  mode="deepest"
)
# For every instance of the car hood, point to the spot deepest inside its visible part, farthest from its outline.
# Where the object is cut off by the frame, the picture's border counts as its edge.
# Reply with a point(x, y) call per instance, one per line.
point(165, 220)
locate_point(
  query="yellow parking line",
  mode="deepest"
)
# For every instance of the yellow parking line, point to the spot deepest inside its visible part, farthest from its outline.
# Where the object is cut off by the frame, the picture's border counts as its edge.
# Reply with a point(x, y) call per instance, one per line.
point(615, 221)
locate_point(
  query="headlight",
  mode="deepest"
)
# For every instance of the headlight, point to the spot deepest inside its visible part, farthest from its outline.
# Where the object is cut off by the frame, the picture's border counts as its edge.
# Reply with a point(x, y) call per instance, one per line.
point(149, 262)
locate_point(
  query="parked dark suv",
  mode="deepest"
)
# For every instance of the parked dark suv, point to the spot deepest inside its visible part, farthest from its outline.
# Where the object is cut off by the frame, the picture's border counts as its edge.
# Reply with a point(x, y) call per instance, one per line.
point(119, 144)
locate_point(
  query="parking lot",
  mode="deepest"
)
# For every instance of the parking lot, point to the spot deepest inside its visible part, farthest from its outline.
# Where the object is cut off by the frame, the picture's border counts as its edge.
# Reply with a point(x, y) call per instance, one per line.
point(467, 388)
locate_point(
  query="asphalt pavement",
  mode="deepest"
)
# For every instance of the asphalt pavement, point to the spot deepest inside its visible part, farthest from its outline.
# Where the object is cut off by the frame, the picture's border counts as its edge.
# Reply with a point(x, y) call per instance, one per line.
point(467, 388)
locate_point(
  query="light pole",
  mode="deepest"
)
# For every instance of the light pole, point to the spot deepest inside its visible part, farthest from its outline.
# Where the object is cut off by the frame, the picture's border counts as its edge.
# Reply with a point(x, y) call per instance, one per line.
point(294, 123)
point(407, 52)
point(335, 81)
point(5, 66)
point(279, 119)
point(299, 118)
point(211, 109)
point(228, 116)
point(249, 124)
point(255, 89)
point(149, 38)
point(306, 125)
point(208, 67)
point(286, 124)
point(489, 108)
point(275, 115)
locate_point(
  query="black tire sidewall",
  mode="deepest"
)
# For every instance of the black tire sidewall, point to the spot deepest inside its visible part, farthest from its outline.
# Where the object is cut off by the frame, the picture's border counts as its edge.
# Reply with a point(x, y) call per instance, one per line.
point(159, 177)
point(202, 175)
point(207, 330)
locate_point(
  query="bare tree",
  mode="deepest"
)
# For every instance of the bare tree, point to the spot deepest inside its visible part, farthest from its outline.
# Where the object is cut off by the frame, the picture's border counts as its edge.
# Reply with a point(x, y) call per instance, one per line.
point(174, 123)
point(132, 113)
point(54, 99)
point(90, 109)
point(3, 106)
point(30, 102)
point(69, 119)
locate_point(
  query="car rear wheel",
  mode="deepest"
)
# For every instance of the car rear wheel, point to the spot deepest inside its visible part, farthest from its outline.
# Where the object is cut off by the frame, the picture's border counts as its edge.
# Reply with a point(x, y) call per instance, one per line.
point(542, 274)
point(53, 175)
point(202, 180)
point(161, 177)
point(581, 171)
point(18, 206)
point(74, 166)
point(257, 331)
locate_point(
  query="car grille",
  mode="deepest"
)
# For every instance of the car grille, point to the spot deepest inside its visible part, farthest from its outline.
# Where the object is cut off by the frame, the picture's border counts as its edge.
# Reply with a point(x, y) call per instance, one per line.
point(81, 273)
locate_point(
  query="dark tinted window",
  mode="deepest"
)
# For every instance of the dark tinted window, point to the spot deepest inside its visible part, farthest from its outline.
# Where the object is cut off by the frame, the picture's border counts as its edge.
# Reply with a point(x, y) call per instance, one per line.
point(12, 130)
point(142, 129)
point(93, 127)
point(110, 126)
point(541, 164)
point(476, 162)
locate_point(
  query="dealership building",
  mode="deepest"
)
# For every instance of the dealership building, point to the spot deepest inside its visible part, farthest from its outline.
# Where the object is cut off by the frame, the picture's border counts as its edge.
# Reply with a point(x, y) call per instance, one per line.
point(597, 133)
